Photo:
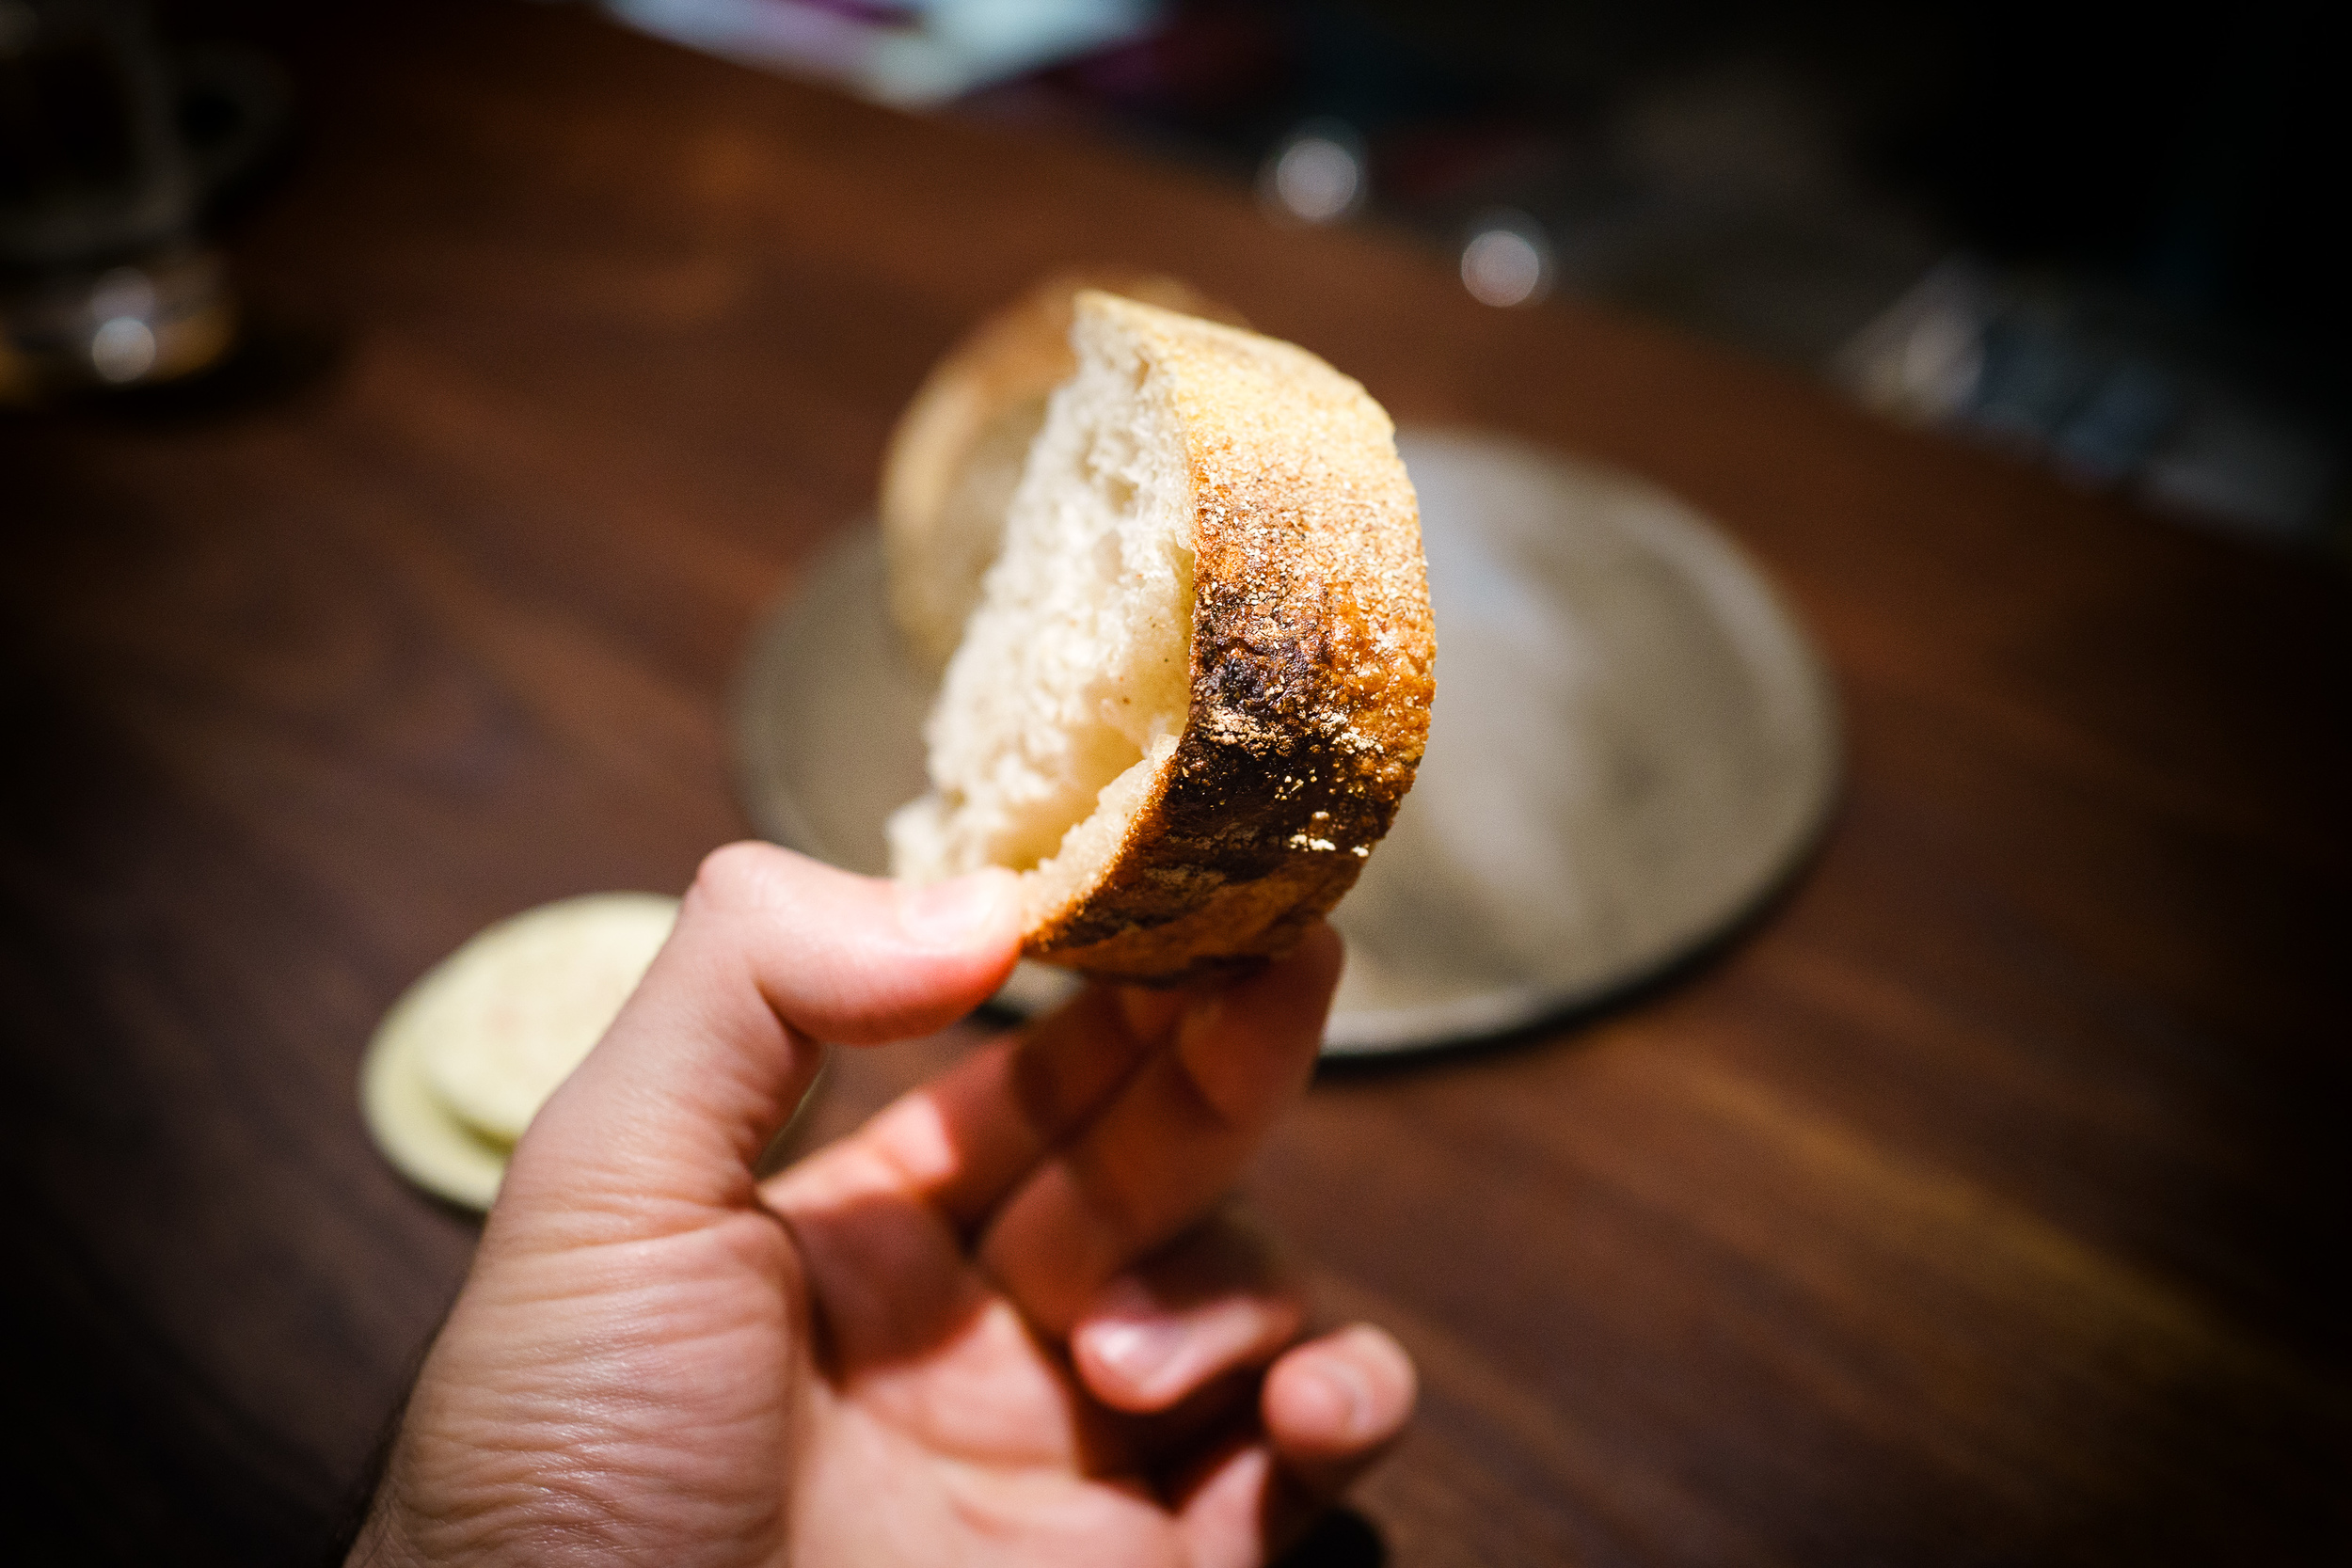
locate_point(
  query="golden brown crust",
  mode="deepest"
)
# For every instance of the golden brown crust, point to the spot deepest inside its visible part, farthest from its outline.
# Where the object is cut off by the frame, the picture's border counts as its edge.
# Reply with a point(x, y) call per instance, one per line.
point(1311, 667)
point(957, 450)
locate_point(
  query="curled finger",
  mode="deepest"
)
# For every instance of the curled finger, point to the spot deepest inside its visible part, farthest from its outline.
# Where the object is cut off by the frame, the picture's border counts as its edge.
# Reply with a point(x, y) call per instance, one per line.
point(1216, 1301)
point(1333, 1404)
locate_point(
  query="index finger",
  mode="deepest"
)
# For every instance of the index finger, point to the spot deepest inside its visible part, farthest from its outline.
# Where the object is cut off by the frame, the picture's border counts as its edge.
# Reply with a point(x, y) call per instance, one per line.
point(966, 1140)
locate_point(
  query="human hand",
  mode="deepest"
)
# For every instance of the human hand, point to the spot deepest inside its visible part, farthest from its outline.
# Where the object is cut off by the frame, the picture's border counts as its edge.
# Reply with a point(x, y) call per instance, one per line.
point(1003, 1322)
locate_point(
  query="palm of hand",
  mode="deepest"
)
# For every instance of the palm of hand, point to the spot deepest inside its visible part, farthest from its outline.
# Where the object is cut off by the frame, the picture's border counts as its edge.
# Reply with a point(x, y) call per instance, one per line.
point(973, 1441)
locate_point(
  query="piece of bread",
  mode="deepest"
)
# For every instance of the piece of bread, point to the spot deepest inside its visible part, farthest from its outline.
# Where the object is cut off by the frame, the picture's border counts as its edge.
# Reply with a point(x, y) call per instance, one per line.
point(952, 463)
point(1198, 679)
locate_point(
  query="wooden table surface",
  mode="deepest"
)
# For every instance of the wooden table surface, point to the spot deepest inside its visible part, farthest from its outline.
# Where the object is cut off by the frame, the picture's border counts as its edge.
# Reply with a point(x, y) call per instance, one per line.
point(1982, 1202)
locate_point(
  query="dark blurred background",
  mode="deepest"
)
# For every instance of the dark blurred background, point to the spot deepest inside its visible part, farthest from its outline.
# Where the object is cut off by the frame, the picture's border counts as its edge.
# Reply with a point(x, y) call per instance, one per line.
point(2100, 240)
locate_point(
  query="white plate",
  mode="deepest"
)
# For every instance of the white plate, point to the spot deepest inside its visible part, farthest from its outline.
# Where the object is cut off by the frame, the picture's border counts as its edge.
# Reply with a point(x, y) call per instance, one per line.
point(1633, 742)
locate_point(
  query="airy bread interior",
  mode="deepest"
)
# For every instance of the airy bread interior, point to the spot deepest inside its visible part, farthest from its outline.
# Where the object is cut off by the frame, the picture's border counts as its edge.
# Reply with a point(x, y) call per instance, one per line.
point(1071, 683)
point(958, 453)
point(934, 599)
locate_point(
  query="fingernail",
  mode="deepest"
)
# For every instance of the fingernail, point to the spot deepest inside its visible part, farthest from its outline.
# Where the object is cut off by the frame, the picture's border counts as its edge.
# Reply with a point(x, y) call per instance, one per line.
point(1140, 1353)
point(1349, 1396)
point(1148, 1012)
point(950, 913)
point(1202, 1013)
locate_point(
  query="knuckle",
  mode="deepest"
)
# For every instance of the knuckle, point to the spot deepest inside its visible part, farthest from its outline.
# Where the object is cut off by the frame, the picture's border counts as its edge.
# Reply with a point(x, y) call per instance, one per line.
point(735, 876)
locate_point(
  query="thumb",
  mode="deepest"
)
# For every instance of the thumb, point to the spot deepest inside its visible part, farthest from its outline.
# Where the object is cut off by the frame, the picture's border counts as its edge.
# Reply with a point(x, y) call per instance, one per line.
point(773, 955)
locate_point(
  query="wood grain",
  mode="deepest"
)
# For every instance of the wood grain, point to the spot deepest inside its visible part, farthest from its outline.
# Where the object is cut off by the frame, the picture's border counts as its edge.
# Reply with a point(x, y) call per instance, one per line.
point(1981, 1202)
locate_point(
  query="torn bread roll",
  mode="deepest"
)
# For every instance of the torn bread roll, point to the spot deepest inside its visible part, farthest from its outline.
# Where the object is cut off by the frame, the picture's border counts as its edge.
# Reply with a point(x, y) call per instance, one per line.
point(949, 476)
point(1197, 682)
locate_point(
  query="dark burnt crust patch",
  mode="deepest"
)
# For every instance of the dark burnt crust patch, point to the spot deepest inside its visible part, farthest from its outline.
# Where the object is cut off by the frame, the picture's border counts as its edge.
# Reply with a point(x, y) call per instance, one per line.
point(1310, 676)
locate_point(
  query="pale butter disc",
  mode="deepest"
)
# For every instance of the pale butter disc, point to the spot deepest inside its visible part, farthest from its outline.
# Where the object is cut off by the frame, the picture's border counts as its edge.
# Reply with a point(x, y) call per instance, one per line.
point(504, 1020)
point(424, 1141)
point(494, 1028)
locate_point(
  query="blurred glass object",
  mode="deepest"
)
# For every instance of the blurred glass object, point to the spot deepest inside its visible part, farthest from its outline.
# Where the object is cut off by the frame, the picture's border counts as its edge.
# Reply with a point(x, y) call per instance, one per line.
point(1507, 261)
point(1316, 174)
point(105, 281)
point(911, 53)
point(2117, 427)
point(2108, 393)
point(1923, 358)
